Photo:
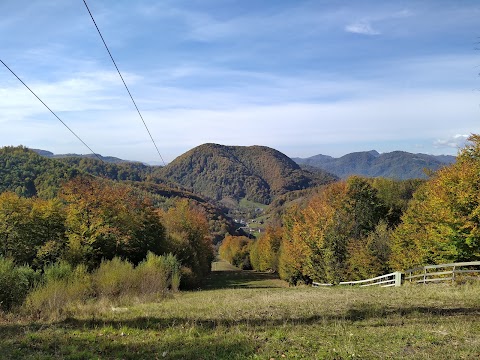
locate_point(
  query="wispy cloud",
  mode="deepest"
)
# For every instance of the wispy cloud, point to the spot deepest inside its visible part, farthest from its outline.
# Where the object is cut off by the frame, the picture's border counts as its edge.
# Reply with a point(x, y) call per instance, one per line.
point(363, 28)
point(366, 25)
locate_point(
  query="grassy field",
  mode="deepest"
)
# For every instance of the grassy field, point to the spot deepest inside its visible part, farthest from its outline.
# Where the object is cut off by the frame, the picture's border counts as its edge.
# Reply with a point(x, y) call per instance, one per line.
point(246, 315)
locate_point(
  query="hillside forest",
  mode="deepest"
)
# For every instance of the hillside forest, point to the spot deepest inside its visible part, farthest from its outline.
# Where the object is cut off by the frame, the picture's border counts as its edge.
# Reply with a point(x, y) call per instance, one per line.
point(113, 229)
point(365, 227)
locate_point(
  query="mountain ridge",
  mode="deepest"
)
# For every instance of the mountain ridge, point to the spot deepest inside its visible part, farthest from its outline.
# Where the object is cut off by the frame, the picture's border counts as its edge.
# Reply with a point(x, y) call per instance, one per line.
point(398, 164)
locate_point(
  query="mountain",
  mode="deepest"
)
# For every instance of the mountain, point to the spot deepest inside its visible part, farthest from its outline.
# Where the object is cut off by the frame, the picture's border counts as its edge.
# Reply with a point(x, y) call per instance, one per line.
point(397, 164)
point(256, 173)
point(107, 159)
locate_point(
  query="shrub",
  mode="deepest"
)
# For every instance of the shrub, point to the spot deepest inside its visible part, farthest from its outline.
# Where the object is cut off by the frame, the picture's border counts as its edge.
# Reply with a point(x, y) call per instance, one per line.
point(152, 275)
point(157, 274)
point(57, 271)
point(64, 288)
point(114, 279)
point(15, 283)
point(174, 267)
point(61, 288)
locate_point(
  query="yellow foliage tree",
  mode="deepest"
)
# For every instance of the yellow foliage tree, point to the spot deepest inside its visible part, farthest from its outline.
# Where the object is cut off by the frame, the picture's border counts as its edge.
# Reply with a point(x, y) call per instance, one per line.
point(442, 223)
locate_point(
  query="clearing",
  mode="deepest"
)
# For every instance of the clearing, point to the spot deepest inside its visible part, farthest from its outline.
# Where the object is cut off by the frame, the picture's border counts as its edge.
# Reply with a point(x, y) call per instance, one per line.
point(248, 315)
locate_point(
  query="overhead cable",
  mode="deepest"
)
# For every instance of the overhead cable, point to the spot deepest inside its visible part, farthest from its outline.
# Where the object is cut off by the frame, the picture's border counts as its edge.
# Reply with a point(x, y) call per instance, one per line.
point(124, 83)
point(78, 137)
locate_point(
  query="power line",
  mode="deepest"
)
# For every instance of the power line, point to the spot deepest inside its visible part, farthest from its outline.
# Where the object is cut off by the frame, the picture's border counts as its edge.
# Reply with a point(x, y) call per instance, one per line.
point(124, 83)
point(78, 137)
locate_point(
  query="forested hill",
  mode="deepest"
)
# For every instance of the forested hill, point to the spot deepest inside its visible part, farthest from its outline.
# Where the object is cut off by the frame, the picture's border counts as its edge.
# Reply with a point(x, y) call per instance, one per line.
point(257, 173)
point(26, 173)
point(399, 165)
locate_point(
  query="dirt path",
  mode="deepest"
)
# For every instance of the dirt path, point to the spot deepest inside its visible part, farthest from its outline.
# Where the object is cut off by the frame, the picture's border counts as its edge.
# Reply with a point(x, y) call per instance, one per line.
point(225, 275)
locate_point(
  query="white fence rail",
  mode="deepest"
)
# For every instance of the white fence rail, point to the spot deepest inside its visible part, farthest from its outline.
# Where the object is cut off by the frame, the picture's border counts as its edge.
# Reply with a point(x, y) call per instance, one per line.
point(443, 272)
point(392, 279)
point(420, 275)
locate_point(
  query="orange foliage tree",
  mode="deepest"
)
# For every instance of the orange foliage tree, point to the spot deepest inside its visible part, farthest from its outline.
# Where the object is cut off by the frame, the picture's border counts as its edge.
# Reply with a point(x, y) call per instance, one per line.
point(189, 239)
point(105, 220)
point(236, 250)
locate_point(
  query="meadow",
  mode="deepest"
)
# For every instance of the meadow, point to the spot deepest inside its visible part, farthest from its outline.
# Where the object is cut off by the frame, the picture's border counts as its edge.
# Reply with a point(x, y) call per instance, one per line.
point(252, 315)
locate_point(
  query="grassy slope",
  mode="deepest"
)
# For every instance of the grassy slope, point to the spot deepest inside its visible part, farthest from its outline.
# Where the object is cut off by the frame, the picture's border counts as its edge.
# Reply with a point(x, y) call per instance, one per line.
point(257, 317)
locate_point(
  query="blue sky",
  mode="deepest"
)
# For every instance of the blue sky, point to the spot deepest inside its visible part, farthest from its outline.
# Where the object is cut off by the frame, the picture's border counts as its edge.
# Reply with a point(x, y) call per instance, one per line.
point(304, 77)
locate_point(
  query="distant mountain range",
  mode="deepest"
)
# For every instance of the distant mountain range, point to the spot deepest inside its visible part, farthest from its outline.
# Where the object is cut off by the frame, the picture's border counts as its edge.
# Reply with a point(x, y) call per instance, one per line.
point(257, 173)
point(397, 164)
point(108, 159)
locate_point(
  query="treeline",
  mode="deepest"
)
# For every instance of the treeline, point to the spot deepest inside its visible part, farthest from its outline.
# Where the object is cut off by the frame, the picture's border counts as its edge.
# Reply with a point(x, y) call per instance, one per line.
point(27, 174)
point(93, 220)
point(361, 227)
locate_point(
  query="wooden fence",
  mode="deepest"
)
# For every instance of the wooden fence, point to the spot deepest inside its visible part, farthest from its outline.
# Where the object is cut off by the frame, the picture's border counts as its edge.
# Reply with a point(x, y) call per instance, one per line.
point(443, 272)
point(392, 279)
point(420, 275)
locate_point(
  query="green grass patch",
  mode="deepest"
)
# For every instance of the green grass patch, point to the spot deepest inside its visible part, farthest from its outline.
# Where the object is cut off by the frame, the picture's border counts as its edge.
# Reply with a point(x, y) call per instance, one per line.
point(248, 315)
point(249, 205)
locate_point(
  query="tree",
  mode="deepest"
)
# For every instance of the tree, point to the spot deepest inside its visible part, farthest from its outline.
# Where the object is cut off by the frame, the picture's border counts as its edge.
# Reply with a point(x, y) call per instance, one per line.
point(369, 256)
point(106, 219)
point(16, 238)
point(266, 249)
point(189, 238)
point(442, 223)
point(236, 250)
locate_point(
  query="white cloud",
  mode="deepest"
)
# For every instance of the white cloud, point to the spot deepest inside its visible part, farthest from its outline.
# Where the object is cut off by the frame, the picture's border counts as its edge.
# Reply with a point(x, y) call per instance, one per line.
point(363, 28)
point(457, 141)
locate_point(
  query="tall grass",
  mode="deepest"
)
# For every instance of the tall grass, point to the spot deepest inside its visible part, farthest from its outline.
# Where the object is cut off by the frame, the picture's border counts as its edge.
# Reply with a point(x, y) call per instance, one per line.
point(64, 288)
point(157, 274)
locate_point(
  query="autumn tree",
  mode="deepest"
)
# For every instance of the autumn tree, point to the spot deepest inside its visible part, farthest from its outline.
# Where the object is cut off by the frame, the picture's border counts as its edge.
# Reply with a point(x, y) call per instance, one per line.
point(319, 239)
point(106, 219)
point(292, 249)
point(369, 256)
point(442, 222)
point(265, 251)
point(16, 240)
point(48, 226)
point(30, 226)
point(236, 250)
point(189, 239)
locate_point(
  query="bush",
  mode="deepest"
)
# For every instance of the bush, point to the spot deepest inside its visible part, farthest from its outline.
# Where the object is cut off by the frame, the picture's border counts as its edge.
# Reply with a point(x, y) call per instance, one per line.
point(175, 271)
point(114, 279)
point(157, 274)
point(57, 271)
point(61, 288)
point(64, 288)
point(15, 283)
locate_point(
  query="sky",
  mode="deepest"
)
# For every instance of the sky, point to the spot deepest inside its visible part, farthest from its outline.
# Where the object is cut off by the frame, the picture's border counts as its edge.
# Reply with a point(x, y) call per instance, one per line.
point(304, 77)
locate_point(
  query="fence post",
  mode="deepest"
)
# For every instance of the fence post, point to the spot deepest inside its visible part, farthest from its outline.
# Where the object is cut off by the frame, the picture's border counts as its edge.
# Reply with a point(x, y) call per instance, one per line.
point(398, 278)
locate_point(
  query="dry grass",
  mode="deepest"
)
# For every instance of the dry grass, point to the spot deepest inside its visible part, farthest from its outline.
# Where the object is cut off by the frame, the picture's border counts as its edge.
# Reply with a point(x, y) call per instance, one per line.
point(256, 317)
